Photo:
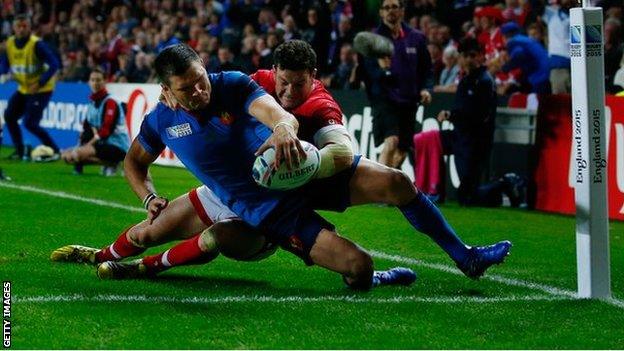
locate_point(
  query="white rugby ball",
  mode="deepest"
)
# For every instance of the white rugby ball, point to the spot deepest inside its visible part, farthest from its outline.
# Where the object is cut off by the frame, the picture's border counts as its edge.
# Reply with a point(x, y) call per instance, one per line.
point(282, 178)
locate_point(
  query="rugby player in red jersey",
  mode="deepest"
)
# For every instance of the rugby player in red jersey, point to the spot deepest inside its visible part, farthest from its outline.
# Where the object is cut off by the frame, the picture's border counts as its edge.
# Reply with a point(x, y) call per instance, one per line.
point(343, 180)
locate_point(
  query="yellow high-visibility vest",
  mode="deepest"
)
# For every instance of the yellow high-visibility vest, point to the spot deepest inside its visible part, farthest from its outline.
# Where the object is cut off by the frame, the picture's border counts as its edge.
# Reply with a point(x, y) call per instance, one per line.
point(26, 67)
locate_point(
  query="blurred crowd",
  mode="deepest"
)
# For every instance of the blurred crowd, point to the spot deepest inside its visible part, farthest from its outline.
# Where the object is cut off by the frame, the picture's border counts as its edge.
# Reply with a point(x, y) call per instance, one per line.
point(123, 37)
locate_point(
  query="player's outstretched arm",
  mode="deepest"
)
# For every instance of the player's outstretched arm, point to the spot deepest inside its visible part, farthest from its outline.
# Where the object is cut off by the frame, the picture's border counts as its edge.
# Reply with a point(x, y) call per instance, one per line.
point(136, 168)
point(336, 150)
point(284, 125)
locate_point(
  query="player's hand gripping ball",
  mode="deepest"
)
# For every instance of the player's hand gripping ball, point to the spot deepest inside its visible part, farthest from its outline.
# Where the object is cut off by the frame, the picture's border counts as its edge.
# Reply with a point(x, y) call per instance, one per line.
point(282, 178)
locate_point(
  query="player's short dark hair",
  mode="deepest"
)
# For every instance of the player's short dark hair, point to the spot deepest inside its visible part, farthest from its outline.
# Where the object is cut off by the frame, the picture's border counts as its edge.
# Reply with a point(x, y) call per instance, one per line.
point(174, 60)
point(97, 70)
point(469, 45)
point(295, 55)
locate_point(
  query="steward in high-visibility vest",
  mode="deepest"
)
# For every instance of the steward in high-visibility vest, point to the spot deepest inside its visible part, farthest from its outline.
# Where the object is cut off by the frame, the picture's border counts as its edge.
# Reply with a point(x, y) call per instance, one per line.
point(33, 66)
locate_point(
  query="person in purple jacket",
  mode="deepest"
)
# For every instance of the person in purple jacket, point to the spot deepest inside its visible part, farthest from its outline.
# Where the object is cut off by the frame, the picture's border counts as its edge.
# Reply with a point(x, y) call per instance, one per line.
point(396, 85)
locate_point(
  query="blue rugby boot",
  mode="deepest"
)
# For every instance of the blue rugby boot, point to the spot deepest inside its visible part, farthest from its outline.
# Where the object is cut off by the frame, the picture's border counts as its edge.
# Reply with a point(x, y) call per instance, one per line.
point(394, 276)
point(480, 258)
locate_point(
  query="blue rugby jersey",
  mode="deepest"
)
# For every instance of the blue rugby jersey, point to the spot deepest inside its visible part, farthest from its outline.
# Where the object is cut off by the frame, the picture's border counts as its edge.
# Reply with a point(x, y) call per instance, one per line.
point(218, 143)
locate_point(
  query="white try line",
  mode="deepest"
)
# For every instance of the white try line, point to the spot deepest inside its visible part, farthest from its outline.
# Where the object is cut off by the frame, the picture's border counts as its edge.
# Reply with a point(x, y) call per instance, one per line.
point(64, 195)
point(551, 290)
point(280, 299)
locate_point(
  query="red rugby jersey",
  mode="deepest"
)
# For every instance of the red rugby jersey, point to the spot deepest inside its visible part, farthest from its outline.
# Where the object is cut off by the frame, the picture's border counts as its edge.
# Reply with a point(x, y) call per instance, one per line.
point(318, 111)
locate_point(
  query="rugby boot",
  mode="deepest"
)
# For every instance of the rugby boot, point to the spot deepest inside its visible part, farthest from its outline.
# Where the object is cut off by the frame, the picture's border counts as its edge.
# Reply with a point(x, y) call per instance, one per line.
point(74, 253)
point(480, 258)
point(394, 276)
point(134, 269)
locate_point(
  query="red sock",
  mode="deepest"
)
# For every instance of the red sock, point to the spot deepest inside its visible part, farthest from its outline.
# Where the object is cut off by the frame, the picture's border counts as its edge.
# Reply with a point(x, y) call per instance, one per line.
point(185, 253)
point(120, 249)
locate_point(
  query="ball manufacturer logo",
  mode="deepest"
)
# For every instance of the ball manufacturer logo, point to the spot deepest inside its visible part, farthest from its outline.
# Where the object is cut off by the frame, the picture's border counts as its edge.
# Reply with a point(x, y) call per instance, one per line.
point(297, 173)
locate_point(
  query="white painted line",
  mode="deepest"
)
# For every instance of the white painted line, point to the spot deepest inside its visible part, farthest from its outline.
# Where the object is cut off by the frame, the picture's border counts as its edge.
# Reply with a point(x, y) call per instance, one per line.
point(551, 290)
point(382, 255)
point(497, 278)
point(64, 195)
point(279, 299)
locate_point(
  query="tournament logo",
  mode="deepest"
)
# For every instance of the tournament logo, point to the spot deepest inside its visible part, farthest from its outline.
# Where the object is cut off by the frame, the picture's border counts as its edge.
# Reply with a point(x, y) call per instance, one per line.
point(575, 34)
point(593, 34)
point(181, 130)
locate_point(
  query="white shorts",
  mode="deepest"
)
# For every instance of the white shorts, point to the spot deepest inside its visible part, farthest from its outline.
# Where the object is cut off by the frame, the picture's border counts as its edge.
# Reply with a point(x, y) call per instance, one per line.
point(208, 206)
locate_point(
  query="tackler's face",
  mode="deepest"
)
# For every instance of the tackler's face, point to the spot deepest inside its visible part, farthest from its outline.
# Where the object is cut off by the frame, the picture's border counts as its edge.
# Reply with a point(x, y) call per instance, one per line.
point(191, 89)
point(293, 87)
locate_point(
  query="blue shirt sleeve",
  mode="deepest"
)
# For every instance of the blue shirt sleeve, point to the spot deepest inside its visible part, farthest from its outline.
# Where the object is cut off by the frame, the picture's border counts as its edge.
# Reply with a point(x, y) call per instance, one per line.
point(149, 136)
point(4, 64)
point(44, 53)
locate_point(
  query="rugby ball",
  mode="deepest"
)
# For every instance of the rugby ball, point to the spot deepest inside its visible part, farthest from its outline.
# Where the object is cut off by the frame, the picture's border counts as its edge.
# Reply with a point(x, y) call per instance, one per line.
point(282, 178)
point(41, 151)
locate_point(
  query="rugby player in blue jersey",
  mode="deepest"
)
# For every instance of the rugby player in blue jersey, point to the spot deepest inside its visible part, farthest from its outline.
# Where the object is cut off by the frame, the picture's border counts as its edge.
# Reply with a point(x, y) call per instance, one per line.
point(224, 120)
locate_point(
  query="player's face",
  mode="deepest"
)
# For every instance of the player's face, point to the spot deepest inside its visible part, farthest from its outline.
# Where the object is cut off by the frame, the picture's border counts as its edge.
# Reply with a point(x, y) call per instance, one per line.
point(96, 81)
point(293, 87)
point(21, 28)
point(191, 89)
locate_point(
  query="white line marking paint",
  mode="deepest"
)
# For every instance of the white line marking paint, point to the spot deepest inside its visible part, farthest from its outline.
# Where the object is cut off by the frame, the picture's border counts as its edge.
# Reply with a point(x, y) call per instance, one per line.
point(554, 291)
point(279, 299)
point(64, 195)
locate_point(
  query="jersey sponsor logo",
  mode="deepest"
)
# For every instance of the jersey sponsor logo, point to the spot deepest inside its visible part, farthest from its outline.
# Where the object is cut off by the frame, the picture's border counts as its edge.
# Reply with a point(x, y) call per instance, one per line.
point(178, 131)
point(410, 50)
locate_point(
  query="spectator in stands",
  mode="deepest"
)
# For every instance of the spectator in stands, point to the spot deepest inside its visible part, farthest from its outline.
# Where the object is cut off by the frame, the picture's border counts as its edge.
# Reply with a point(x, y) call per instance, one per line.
point(75, 68)
point(557, 19)
point(167, 37)
point(450, 74)
point(618, 80)
point(613, 49)
point(345, 75)
point(437, 64)
point(33, 66)
point(342, 35)
point(318, 33)
point(139, 70)
point(247, 54)
point(104, 139)
point(396, 85)
point(515, 11)
point(224, 62)
point(291, 31)
point(127, 22)
point(115, 47)
point(536, 31)
point(528, 55)
point(263, 57)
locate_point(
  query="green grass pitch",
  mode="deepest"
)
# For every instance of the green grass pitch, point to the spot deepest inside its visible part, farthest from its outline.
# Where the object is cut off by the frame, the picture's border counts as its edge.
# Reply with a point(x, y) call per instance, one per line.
point(279, 303)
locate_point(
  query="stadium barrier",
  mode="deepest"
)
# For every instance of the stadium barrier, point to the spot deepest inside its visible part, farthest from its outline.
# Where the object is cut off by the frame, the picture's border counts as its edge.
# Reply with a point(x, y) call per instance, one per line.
point(537, 146)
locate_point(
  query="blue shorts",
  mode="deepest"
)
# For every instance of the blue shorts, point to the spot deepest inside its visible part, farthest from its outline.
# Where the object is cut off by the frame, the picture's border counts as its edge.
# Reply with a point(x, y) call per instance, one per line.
point(294, 226)
point(331, 193)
